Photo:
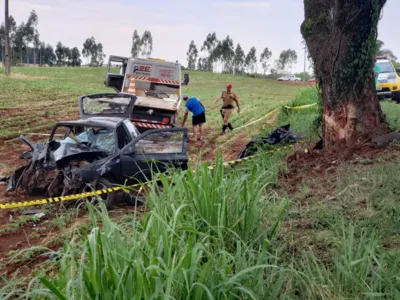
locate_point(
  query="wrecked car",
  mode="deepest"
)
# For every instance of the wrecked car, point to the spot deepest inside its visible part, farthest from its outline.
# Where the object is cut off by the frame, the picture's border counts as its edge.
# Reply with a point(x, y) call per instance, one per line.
point(100, 150)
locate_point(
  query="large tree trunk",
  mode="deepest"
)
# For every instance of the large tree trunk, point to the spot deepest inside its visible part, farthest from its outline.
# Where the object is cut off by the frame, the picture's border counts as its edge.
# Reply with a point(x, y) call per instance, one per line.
point(341, 37)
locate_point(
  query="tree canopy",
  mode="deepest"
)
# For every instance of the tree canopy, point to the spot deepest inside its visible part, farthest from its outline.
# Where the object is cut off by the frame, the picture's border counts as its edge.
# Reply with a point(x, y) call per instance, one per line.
point(192, 55)
point(146, 43)
point(264, 59)
point(27, 47)
point(93, 52)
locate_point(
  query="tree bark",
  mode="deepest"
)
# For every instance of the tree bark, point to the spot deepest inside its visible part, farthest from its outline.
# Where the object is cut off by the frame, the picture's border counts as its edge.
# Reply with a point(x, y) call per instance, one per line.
point(341, 37)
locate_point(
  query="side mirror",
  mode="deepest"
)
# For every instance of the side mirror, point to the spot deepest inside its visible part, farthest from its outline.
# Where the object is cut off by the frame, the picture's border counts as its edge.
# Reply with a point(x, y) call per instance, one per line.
point(398, 69)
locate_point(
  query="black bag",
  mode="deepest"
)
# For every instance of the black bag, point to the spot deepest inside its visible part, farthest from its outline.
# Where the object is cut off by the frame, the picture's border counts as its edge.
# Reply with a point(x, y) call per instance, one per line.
point(279, 135)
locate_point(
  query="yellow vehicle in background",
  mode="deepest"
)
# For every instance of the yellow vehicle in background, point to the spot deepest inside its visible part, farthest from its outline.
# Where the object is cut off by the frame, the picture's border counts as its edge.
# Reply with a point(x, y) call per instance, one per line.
point(388, 80)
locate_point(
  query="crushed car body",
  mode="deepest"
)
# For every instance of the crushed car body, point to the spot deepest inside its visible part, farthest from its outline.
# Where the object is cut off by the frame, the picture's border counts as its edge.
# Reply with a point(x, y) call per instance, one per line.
point(100, 150)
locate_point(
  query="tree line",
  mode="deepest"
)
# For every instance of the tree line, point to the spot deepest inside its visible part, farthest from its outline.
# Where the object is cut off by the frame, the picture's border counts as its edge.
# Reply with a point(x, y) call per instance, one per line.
point(27, 48)
point(222, 55)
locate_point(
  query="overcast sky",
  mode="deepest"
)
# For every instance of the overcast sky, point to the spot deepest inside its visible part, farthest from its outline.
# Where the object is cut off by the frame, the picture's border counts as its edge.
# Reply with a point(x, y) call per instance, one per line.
point(174, 23)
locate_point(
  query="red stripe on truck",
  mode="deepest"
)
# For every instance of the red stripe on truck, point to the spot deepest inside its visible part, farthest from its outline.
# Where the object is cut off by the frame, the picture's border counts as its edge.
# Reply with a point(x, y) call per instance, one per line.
point(156, 80)
point(148, 125)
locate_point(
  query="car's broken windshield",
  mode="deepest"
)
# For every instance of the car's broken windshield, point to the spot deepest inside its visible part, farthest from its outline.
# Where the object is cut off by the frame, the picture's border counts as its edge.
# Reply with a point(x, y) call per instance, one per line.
point(102, 139)
point(106, 105)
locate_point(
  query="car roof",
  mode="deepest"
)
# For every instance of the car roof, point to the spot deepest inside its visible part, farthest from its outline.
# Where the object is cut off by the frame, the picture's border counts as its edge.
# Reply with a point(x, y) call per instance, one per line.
point(106, 122)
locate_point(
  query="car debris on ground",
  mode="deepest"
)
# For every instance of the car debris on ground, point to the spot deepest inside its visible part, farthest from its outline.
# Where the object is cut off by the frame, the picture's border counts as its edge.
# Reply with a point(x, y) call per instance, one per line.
point(28, 212)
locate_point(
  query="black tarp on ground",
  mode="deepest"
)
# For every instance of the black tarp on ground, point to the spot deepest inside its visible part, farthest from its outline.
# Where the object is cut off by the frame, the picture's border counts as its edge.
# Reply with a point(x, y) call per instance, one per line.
point(279, 135)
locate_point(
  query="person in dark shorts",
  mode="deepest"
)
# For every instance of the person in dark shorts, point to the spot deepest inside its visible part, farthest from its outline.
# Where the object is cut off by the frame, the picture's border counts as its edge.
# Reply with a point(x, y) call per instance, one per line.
point(199, 116)
point(228, 99)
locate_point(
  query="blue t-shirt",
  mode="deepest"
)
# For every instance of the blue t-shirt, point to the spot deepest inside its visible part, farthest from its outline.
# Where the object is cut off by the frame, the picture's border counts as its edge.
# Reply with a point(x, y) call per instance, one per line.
point(194, 106)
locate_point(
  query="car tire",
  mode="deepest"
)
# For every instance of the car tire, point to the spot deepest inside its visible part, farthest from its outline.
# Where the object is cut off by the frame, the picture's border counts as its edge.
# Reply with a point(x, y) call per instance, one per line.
point(105, 183)
point(396, 97)
point(108, 199)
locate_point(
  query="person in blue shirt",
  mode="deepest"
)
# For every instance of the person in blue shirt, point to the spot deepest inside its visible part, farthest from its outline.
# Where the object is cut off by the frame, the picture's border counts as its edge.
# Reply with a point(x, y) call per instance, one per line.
point(199, 115)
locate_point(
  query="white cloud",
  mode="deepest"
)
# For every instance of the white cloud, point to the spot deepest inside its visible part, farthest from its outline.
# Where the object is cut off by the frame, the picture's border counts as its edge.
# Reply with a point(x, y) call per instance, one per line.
point(247, 4)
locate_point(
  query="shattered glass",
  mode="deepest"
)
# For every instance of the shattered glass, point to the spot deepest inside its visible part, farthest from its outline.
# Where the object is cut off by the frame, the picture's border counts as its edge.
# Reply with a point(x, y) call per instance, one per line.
point(103, 139)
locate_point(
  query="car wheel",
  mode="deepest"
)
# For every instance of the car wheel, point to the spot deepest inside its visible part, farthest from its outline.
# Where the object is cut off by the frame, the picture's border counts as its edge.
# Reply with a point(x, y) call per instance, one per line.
point(396, 97)
point(101, 184)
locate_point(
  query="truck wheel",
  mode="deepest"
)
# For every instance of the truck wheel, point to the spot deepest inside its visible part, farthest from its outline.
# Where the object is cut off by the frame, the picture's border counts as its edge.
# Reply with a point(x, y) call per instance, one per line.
point(396, 97)
point(108, 199)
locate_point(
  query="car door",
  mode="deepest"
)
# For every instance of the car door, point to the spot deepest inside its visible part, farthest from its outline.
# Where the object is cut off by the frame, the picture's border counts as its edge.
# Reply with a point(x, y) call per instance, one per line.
point(116, 72)
point(154, 151)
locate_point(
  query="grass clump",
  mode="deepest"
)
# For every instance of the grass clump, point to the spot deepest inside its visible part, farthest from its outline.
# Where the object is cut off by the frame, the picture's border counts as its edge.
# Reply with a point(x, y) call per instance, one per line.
point(207, 236)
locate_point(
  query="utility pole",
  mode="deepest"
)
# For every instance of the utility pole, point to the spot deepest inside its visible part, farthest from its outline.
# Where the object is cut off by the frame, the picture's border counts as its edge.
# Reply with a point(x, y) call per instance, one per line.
point(7, 41)
point(305, 61)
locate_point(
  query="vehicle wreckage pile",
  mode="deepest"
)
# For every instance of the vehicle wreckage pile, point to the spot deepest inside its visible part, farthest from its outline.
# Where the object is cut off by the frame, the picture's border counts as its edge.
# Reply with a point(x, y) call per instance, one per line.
point(98, 151)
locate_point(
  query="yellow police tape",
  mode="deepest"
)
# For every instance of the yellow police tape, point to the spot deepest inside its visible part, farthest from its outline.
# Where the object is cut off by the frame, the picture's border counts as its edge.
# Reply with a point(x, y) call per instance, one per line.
point(258, 120)
point(300, 107)
point(63, 198)
point(274, 111)
point(113, 189)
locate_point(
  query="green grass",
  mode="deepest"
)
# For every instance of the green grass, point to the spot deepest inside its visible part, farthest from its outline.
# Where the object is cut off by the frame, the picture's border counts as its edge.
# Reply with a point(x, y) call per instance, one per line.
point(392, 112)
point(342, 232)
point(224, 234)
point(230, 233)
point(201, 239)
point(52, 93)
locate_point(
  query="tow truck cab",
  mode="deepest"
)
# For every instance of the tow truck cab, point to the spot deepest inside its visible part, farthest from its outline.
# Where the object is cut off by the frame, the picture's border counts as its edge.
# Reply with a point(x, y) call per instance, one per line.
point(155, 83)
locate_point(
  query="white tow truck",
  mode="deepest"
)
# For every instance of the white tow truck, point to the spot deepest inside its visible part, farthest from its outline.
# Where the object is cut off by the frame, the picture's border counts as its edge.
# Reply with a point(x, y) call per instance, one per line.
point(156, 85)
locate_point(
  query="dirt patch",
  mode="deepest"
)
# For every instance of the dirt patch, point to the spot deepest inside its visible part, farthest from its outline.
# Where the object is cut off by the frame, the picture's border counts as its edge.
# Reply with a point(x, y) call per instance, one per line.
point(46, 233)
point(315, 164)
point(229, 150)
point(236, 145)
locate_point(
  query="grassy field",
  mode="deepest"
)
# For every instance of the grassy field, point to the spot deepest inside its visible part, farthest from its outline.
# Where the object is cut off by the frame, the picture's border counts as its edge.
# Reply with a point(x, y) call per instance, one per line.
point(272, 228)
point(33, 99)
point(34, 96)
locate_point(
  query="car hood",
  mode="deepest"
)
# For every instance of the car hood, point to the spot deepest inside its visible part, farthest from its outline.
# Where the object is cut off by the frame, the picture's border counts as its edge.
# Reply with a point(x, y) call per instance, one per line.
point(67, 152)
point(384, 76)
